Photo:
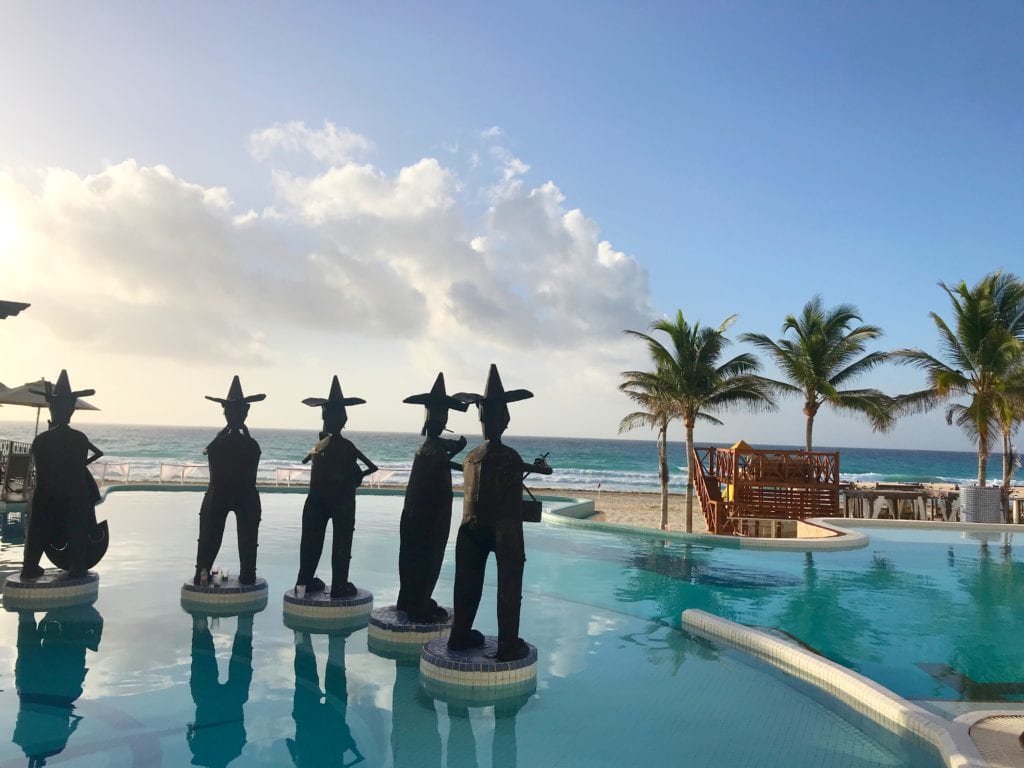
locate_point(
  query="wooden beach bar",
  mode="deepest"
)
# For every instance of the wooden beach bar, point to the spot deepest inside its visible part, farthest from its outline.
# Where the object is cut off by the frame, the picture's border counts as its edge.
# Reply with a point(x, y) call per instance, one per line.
point(749, 492)
point(746, 491)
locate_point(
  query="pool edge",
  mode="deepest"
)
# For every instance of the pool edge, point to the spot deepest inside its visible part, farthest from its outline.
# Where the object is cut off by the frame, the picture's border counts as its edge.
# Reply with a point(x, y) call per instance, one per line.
point(951, 739)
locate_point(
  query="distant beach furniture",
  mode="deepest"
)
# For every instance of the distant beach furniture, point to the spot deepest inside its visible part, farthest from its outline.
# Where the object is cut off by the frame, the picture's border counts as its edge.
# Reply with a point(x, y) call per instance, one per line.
point(15, 471)
point(901, 501)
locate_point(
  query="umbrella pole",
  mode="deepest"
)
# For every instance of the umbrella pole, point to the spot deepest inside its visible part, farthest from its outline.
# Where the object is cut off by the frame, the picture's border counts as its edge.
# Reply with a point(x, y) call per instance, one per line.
point(37, 423)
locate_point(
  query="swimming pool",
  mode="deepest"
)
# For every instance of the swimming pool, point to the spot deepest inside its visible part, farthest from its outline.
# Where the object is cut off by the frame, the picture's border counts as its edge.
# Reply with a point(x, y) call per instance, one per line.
point(618, 682)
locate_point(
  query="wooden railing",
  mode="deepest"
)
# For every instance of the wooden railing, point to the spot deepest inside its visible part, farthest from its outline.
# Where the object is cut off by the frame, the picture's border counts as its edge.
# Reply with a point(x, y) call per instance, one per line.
point(715, 508)
point(769, 484)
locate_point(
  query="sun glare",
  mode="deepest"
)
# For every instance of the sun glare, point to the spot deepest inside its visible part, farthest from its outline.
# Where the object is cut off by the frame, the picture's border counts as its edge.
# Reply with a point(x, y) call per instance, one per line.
point(8, 230)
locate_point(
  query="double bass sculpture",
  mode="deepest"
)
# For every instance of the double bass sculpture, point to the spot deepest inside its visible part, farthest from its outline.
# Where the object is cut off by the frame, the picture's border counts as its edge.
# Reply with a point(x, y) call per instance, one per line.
point(63, 521)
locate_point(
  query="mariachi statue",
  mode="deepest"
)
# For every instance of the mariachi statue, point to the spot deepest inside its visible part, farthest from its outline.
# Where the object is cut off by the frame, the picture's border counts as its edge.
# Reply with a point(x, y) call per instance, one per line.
point(234, 458)
point(63, 521)
point(492, 521)
point(332, 496)
point(427, 515)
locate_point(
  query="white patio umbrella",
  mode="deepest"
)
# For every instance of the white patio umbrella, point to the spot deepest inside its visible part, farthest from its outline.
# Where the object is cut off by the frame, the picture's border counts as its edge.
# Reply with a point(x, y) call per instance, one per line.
point(24, 395)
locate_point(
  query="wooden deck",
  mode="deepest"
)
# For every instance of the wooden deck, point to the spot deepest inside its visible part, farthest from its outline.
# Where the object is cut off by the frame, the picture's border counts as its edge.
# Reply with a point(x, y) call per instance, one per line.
point(740, 485)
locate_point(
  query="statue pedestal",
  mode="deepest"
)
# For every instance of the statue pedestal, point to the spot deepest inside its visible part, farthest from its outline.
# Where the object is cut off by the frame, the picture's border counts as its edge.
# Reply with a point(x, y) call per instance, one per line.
point(228, 598)
point(54, 589)
point(471, 677)
point(393, 636)
point(319, 612)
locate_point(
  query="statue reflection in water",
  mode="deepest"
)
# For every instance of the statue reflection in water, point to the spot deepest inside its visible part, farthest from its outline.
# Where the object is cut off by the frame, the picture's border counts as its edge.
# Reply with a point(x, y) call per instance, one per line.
point(49, 676)
point(416, 742)
point(462, 742)
point(217, 736)
point(322, 737)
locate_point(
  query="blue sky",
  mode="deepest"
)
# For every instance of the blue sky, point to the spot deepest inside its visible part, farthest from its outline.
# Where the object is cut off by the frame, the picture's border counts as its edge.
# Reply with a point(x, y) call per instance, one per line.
point(583, 167)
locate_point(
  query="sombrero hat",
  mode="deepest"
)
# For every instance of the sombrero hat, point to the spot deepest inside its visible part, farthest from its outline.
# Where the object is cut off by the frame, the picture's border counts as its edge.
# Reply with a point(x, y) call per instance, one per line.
point(494, 392)
point(437, 397)
point(335, 397)
point(235, 395)
point(61, 390)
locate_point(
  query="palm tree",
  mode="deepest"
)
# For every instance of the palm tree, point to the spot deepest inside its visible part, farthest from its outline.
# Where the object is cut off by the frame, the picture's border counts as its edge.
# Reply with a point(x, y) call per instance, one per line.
point(982, 357)
point(658, 408)
point(687, 372)
point(826, 355)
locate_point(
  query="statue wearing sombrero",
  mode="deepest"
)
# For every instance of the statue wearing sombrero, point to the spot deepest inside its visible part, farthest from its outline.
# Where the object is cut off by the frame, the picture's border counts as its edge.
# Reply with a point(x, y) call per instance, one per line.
point(492, 521)
point(234, 458)
point(63, 520)
point(335, 476)
point(427, 514)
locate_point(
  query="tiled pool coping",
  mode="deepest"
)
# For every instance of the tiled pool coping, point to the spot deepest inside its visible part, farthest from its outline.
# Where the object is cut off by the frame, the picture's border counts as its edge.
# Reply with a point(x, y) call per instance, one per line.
point(835, 538)
point(951, 738)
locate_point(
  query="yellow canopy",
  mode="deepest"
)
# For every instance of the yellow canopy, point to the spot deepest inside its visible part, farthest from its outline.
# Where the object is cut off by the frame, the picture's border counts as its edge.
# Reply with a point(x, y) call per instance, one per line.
point(741, 447)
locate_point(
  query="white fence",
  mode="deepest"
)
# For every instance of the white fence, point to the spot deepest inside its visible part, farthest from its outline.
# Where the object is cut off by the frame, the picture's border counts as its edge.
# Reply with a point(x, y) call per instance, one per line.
point(108, 472)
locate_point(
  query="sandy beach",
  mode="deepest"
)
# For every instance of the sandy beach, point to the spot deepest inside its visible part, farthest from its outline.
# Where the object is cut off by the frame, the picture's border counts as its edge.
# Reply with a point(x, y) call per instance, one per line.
point(639, 509)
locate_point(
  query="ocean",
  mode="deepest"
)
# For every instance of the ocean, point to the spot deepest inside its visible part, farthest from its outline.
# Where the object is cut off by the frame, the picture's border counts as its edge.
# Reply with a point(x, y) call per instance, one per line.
point(579, 463)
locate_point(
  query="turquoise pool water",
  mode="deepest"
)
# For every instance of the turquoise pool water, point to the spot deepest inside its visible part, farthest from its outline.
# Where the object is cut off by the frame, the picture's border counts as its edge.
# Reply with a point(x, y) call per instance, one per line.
point(618, 682)
point(929, 614)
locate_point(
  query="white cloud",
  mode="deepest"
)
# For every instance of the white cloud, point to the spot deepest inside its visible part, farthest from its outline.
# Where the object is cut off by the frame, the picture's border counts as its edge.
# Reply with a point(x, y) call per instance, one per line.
point(491, 133)
point(134, 259)
point(515, 167)
point(329, 144)
point(352, 190)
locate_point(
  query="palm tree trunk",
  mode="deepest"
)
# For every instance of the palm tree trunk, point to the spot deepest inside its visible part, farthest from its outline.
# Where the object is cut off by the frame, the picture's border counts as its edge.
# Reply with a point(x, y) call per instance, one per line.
point(982, 465)
point(1007, 472)
point(1007, 461)
point(809, 432)
point(663, 471)
point(689, 478)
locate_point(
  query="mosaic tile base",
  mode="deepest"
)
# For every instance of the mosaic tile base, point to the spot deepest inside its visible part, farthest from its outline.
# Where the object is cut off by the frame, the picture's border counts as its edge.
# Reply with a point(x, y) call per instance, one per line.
point(54, 589)
point(471, 676)
point(513, 695)
point(321, 605)
point(227, 599)
point(393, 636)
point(319, 625)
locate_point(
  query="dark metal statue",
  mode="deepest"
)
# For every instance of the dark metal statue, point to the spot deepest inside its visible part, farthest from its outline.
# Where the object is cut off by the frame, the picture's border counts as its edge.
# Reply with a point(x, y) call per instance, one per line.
point(63, 521)
point(492, 521)
point(234, 458)
point(427, 514)
point(217, 735)
point(333, 482)
point(50, 675)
